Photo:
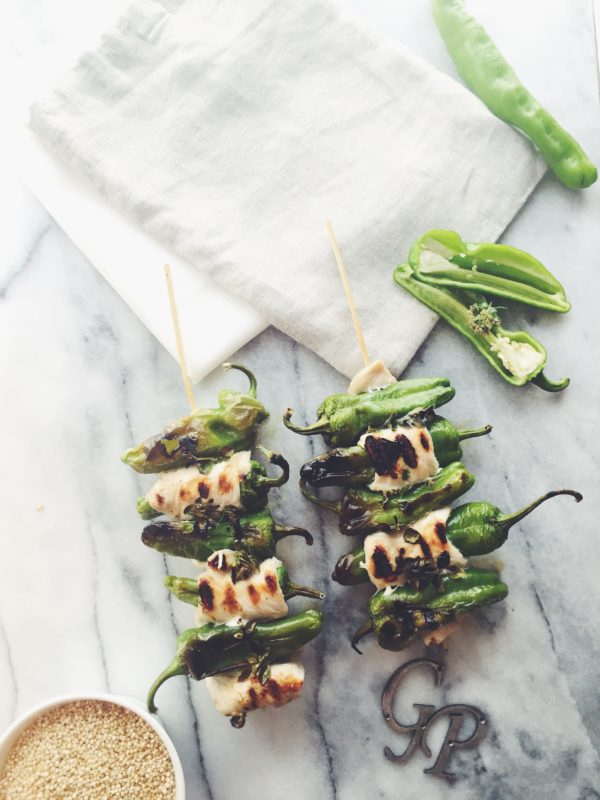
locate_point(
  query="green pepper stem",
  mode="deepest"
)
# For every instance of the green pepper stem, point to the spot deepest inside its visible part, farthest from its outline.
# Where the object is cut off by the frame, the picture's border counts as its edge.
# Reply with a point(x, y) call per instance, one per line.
point(330, 505)
point(279, 461)
point(472, 434)
point(295, 590)
point(174, 668)
point(508, 520)
point(364, 629)
point(250, 375)
point(550, 386)
point(280, 532)
point(320, 426)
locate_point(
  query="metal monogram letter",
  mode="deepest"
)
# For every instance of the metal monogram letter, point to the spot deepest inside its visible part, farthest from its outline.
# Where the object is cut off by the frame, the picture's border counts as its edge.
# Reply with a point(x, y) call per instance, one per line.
point(427, 716)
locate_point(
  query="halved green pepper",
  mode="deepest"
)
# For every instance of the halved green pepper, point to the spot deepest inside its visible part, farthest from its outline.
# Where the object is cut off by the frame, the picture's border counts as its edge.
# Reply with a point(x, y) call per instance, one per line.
point(205, 433)
point(256, 534)
point(516, 355)
point(397, 617)
point(213, 649)
point(474, 528)
point(343, 418)
point(362, 511)
point(353, 466)
point(441, 258)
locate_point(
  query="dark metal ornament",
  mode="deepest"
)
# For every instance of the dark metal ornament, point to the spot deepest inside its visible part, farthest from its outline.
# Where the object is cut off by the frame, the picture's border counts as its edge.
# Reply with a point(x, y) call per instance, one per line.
point(427, 716)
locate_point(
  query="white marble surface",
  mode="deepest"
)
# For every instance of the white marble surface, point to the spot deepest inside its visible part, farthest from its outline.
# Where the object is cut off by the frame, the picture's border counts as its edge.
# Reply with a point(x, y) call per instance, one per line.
point(81, 603)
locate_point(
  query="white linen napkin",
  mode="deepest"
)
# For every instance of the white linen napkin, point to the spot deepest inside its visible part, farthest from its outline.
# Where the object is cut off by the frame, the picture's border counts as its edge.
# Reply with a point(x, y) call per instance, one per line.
point(231, 131)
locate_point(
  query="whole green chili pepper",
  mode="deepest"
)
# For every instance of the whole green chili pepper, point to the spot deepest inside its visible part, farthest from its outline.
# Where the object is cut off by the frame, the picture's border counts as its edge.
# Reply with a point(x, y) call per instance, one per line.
point(474, 528)
point(516, 355)
point(343, 418)
point(205, 433)
point(254, 489)
point(353, 466)
point(480, 528)
point(362, 511)
point(397, 617)
point(216, 648)
point(256, 534)
point(186, 589)
point(486, 71)
point(441, 258)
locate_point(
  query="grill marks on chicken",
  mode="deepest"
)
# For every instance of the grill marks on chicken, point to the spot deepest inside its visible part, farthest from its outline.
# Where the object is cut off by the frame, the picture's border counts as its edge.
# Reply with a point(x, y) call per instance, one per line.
point(223, 596)
point(392, 557)
point(401, 456)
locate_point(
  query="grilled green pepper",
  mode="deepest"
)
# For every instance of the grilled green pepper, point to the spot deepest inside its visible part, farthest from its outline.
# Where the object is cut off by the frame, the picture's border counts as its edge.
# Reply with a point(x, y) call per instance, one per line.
point(516, 355)
point(254, 490)
point(216, 648)
point(398, 616)
point(186, 589)
point(474, 528)
point(343, 418)
point(354, 466)
point(362, 511)
point(441, 258)
point(486, 71)
point(256, 534)
point(205, 433)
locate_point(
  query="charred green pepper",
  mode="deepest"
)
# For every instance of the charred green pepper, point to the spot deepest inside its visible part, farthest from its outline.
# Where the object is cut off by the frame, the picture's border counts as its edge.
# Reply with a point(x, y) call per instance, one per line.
point(254, 490)
point(356, 466)
point(441, 258)
point(397, 617)
point(516, 355)
point(216, 648)
point(256, 534)
point(186, 589)
point(362, 511)
point(343, 418)
point(205, 433)
point(474, 528)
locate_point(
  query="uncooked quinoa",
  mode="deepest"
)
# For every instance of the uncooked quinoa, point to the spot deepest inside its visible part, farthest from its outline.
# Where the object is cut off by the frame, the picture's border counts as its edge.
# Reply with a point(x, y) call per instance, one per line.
point(88, 750)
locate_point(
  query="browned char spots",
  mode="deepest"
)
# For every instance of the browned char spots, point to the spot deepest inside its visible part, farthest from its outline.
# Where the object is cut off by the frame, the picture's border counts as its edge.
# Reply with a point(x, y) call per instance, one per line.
point(443, 560)
point(230, 602)
point(424, 439)
point(253, 697)
point(203, 489)
point(253, 594)
point(273, 688)
point(225, 485)
point(207, 596)
point(407, 451)
point(424, 547)
point(182, 493)
point(160, 500)
point(271, 582)
point(385, 454)
point(381, 564)
point(218, 561)
point(440, 530)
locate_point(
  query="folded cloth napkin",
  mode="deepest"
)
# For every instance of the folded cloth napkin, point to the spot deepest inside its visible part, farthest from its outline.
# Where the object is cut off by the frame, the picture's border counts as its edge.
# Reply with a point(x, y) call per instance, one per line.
point(232, 131)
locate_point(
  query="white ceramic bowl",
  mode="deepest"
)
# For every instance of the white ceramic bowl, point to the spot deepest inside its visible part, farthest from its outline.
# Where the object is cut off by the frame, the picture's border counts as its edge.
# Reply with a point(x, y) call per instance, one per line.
point(10, 736)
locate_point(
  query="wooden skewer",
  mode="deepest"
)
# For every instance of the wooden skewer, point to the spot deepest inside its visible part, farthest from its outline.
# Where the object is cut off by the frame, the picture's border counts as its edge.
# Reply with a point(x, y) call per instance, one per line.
point(179, 341)
point(348, 292)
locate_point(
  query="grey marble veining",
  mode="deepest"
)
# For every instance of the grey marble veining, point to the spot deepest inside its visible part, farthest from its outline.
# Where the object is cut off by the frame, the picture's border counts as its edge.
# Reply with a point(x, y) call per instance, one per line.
point(81, 600)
